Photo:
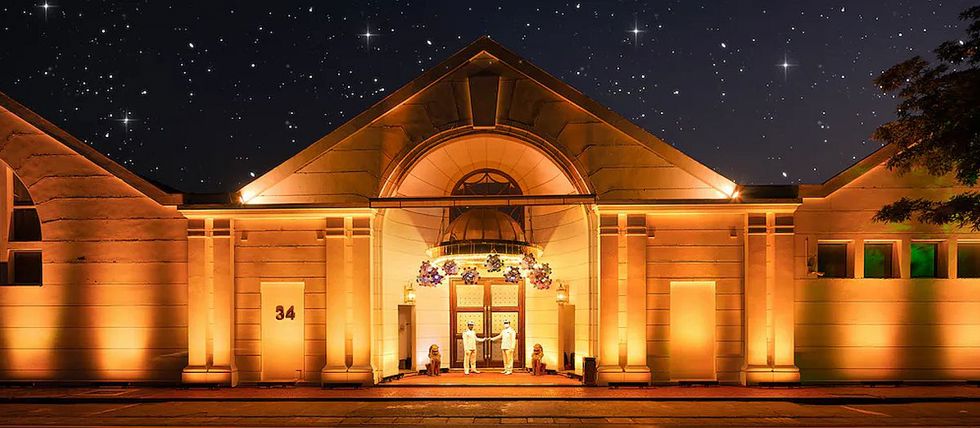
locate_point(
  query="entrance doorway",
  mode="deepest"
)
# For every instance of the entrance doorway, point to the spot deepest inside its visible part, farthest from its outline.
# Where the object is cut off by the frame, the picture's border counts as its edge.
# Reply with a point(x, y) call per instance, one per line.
point(406, 336)
point(488, 304)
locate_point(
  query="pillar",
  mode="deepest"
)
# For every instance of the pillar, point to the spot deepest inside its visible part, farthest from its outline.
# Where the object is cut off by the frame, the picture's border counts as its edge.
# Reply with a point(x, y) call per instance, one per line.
point(609, 369)
point(210, 303)
point(359, 265)
point(197, 304)
point(335, 369)
point(784, 300)
point(348, 295)
point(636, 370)
point(223, 368)
point(769, 300)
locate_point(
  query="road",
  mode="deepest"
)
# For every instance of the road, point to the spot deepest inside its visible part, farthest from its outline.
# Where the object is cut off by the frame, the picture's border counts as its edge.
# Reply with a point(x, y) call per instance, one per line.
point(484, 413)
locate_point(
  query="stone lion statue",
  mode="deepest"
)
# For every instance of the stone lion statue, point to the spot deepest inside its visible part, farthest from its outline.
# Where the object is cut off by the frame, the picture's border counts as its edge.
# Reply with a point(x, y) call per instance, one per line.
point(537, 365)
point(435, 361)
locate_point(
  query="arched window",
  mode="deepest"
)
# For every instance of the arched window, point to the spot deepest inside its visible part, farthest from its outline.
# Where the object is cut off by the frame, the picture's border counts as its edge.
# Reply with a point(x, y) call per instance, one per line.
point(488, 182)
point(22, 265)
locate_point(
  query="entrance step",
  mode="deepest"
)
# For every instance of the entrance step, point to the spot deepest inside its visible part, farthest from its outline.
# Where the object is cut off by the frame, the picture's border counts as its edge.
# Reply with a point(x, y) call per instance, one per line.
point(486, 377)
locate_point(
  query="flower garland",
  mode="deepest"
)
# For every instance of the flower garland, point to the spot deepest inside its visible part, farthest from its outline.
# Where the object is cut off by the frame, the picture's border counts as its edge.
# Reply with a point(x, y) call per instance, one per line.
point(493, 263)
point(470, 275)
point(540, 276)
point(450, 268)
point(428, 275)
point(512, 274)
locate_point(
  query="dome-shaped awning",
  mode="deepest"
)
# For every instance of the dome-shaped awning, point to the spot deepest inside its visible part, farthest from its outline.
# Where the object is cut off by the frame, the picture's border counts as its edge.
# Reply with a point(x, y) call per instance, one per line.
point(484, 224)
point(480, 231)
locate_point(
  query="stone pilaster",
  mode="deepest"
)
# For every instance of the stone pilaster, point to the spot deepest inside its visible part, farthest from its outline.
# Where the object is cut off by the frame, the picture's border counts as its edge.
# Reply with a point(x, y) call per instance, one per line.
point(610, 370)
point(769, 300)
point(359, 266)
point(636, 370)
point(335, 369)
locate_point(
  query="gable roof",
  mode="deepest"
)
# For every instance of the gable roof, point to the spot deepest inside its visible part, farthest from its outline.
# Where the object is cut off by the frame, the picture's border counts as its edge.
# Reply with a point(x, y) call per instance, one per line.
point(141, 184)
point(433, 75)
point(848, 175)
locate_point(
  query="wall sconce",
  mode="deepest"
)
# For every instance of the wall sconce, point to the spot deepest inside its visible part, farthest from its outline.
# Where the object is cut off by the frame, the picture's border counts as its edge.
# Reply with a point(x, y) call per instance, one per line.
point(561, 293)
point(409, 293)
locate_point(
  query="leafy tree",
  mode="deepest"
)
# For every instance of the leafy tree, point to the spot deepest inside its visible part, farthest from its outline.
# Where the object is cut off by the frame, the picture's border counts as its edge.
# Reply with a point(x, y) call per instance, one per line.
point(938, 127)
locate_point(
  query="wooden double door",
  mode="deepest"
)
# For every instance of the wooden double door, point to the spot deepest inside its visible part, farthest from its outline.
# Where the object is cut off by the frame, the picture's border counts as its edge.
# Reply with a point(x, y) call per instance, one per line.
point(488, 304)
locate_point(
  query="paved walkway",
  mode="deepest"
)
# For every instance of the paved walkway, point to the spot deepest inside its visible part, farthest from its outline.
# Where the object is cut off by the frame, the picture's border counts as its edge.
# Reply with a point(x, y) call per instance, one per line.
point(488, 413)
point(809, 394)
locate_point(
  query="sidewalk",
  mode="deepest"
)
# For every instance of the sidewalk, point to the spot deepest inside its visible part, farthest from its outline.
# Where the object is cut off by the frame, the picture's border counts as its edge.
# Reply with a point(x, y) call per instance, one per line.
point(806, 394)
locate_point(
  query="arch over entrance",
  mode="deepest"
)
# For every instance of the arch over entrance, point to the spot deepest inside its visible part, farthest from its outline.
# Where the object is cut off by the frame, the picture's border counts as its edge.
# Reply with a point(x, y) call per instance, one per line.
point(432, 168)
point(436, 169)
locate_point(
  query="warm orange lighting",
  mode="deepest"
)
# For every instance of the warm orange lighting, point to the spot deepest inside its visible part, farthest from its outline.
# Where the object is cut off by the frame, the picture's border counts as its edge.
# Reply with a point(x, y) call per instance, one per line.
point(561, 293)
point(692, 330)
point(409, 293)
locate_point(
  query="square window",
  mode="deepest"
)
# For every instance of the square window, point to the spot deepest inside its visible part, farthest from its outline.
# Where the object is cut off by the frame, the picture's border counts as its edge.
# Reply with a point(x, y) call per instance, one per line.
point(925, 260)
point(968, 260)
point(878, 260)
point(25, 225)
point(26, 267)
point(832, 260)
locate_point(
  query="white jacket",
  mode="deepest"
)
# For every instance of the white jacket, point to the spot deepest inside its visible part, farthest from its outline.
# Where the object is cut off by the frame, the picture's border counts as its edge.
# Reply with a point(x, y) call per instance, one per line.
point(470, 339)
point(508, 338)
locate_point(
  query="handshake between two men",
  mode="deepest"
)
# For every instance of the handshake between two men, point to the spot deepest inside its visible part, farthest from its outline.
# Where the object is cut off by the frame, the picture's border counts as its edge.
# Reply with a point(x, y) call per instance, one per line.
point(507, 338)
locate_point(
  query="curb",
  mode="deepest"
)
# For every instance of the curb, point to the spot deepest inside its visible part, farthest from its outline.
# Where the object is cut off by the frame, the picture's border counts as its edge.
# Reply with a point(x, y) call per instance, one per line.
point(798, 400)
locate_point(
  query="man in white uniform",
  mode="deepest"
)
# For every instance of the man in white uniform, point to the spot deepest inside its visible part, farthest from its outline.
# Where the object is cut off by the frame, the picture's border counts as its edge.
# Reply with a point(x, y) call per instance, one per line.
point(508, 341)
point(469, 348)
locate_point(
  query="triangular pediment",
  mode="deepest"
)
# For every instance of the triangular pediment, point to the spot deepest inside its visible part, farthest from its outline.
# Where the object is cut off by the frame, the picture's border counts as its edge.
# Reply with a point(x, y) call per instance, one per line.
point(485, 87)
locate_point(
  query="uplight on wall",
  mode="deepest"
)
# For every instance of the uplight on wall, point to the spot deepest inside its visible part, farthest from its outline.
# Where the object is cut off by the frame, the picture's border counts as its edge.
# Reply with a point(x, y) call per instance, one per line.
point(409, 293)
point(561, 293)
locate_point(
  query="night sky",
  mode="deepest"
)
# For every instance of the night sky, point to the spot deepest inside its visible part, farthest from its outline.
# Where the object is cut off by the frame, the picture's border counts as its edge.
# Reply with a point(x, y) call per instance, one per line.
point(217, 92)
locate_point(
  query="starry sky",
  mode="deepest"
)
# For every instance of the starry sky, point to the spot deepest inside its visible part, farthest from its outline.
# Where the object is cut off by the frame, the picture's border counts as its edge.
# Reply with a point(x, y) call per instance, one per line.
point(203, 96)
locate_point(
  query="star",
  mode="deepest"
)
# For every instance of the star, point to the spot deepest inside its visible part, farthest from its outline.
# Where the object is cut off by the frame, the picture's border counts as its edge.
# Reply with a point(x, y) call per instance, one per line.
point(44, 7)
point(636, 33)
point(368, 35)
point(126, 120)
point(785, 65)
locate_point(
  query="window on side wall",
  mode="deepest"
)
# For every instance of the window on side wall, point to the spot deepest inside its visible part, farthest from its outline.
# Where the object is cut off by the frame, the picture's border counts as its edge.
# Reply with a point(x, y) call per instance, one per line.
point(878, 261)
point(968, 260)
point(832, 260)
point(925, 260)
point(24, 268)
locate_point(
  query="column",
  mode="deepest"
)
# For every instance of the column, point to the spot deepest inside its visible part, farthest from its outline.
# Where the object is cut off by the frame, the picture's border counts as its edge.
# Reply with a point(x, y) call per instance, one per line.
point(335, 369)
point(609, 367)
point(223, 368)
point(784, 300)
point(360, 266)
point(636, 370)
point(197, 304)
point(769, 342)
point(756, 366)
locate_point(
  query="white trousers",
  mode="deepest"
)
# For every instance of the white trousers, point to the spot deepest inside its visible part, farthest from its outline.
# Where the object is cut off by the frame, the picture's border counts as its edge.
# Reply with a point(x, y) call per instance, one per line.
point(469, 360)
point(508, 360)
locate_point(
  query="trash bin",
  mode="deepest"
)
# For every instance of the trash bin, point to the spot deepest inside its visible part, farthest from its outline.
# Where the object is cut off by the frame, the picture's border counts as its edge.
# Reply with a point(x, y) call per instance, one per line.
point(590, 371)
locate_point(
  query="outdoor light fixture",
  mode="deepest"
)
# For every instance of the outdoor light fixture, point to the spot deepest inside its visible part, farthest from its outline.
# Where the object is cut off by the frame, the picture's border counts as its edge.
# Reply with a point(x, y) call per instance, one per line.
point(409, 293)
point(561, 293)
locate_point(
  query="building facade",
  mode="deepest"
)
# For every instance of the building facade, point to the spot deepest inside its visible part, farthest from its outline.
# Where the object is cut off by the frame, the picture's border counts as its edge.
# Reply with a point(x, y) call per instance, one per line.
point(347, 262)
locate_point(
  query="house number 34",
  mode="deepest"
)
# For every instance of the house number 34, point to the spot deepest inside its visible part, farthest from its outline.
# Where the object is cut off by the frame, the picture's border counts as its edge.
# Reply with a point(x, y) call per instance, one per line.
point(283, 314)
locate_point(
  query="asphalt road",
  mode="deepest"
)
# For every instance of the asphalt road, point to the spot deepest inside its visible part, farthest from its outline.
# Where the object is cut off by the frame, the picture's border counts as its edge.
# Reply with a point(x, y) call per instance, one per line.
point(483, 413)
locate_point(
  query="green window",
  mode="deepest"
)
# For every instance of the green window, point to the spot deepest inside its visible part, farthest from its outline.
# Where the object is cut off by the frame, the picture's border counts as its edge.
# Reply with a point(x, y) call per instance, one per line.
point(832, 260)
point(925, 260)
point(878, 260)
point(968, 260)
